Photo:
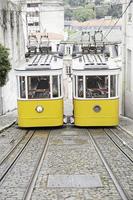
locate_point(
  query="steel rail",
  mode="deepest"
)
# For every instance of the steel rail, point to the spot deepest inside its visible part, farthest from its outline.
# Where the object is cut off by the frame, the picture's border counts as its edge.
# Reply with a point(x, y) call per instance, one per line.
point(13, 148)
point(30, 187)
point(124, 130)
point(117, 145)
point(16, 157)
point(125, 143)
point(119, 188)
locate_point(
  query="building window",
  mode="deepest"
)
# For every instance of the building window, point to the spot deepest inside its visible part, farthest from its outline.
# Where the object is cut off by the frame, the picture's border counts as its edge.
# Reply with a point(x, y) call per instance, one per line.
point(32, 5)
point(33, 14)
point(129, 69)
point(68, 70)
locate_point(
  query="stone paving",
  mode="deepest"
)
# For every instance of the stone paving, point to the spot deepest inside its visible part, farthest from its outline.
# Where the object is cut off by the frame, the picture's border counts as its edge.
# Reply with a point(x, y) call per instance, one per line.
point(15, 183)
point(121, 166)
point(71, 152)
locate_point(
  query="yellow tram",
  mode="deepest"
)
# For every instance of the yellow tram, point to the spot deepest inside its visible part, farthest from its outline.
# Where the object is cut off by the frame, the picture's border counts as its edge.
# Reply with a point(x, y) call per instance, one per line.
point(40, 93)
point(95, 90)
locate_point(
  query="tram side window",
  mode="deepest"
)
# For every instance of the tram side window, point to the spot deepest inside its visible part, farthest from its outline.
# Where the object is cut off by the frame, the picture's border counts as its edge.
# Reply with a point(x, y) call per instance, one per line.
point(22, 87)
point(80, 87)
point(38, 87)
point(112, 85)
point(96, 86)
point(75, 86)
point(55, 86)
point(60, 78)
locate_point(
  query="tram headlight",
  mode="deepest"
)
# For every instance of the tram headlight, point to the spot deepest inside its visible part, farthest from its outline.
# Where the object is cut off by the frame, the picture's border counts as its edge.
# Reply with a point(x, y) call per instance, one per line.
point(97, 108)
point(39, 109)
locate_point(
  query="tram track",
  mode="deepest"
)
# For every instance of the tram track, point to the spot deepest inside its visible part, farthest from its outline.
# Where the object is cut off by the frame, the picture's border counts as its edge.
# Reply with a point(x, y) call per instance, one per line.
point(119, 187)
point(8, 153)
point(30, 187)
point(9, 156)
point(116, 148)
point(31, 152)
point(121, 144)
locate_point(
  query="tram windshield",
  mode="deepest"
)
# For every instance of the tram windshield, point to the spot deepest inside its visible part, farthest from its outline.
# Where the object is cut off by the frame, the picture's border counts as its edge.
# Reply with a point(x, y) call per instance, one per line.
point(38, 87)
point(96, 86)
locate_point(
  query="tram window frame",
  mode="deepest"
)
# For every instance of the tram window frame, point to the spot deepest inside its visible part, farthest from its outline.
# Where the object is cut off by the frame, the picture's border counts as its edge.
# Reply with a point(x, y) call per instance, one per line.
point(22, 88)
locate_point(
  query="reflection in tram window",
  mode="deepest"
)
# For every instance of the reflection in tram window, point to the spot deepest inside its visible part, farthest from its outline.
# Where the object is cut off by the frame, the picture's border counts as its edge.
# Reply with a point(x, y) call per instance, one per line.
point(113, 86)
point(96, 86)
point(22, 87)
point(55, 86)
point(80, 86)
point(38, 87)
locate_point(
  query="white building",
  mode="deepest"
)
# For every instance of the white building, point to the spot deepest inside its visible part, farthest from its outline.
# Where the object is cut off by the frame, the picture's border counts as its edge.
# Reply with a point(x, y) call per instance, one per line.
point(128, 59)
point(52, 16)
point(11, 36)
point(43, 16)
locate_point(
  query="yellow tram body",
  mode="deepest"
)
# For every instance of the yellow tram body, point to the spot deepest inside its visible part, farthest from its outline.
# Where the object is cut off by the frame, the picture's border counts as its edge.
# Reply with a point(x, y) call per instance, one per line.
point(40, 92)
point(95, 90)
point(84, 115)
point(51, 116)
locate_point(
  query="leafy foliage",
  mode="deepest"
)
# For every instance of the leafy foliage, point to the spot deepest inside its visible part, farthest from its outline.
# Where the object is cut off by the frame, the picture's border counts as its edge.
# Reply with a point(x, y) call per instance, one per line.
point(5, 66)
point(115, 11)
point(83, 10)
point(75, 2)
point(84, 13)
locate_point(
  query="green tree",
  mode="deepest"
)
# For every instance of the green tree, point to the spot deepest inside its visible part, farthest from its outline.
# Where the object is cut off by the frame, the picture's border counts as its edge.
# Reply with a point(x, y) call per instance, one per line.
point(84, 13)
point(68, 14)
point(75, 2)
point(115, 11)
point(101, 12)
point(98, 2)
point(5, 66)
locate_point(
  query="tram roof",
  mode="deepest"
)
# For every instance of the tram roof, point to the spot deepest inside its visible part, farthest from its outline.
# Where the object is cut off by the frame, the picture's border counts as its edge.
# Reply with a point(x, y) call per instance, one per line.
point(42, 63)
point(93, 62)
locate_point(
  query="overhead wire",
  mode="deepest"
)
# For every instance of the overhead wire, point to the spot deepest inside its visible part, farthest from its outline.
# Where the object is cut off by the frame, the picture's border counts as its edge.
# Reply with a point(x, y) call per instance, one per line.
point(105, 19)
point(131, 1)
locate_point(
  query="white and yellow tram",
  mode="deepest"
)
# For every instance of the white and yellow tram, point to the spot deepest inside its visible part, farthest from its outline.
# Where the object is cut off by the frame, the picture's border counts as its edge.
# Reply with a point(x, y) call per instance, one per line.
point(95, 90)
point(40, 93)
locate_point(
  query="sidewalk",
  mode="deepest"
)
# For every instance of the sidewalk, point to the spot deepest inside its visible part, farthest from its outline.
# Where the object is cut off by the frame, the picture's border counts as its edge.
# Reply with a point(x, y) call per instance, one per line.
point(7, 120)
point(127, 124)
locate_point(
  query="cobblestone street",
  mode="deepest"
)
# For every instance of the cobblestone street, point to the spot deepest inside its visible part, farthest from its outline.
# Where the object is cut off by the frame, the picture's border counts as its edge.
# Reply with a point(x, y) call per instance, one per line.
point(71, 169)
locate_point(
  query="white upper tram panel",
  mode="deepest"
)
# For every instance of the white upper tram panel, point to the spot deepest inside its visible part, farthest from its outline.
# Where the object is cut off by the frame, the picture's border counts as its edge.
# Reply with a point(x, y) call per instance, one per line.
point(93, 61)
point(42, 62)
